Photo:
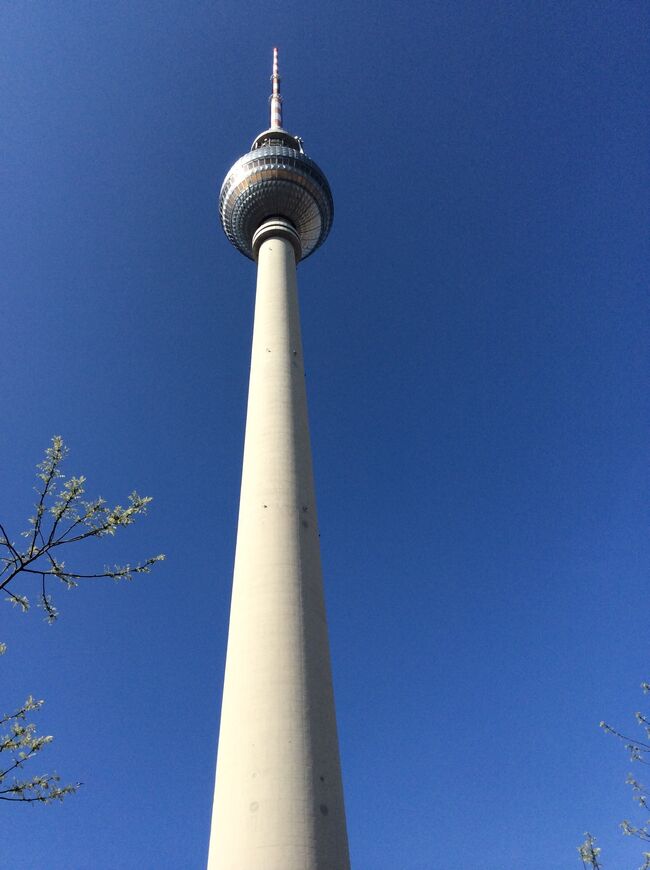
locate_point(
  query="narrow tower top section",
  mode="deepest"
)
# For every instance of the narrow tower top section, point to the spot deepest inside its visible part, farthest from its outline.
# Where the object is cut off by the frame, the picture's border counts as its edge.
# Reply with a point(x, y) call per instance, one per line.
point(276, 98)
point(276, 134)
point(276, 179)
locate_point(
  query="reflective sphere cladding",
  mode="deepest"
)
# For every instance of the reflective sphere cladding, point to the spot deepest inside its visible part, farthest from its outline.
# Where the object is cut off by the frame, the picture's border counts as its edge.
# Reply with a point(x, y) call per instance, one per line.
point(276, 181)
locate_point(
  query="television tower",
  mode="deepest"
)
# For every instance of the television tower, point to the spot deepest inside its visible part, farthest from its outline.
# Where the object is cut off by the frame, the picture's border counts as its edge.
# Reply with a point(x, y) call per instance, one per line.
point(278, 801)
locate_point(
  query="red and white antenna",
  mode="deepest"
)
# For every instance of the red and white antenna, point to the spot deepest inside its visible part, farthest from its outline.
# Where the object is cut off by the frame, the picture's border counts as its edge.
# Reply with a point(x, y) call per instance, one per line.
point(276, 98)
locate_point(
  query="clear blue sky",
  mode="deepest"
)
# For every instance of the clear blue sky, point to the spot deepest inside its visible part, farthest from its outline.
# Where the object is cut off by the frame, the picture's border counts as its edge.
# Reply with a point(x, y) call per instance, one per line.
point(475, 331)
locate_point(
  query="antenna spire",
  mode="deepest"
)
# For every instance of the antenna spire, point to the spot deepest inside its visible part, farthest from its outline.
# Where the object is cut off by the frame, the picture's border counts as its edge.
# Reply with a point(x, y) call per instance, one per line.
point(276, 98)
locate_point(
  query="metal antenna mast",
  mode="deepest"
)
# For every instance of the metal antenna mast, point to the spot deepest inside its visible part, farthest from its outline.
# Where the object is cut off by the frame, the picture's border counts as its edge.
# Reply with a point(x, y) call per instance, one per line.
point(276, 98)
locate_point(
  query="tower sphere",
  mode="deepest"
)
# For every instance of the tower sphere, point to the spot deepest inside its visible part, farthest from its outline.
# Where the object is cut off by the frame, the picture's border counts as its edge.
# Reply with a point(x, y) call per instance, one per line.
point(276, 179)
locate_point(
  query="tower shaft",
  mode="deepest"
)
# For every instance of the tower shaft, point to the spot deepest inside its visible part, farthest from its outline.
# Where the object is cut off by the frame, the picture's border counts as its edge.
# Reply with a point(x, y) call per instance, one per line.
point(278, 796)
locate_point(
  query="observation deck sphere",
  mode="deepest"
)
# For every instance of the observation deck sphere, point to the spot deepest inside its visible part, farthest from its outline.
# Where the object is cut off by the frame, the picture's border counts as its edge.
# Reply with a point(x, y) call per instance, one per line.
point(276, 179)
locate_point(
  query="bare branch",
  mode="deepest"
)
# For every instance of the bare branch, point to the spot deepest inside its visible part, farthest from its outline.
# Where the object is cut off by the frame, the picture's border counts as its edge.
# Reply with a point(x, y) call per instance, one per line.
point(49, 472)
point(589, 852)
point(21, 744)
point(87, 519)
point(61, 518)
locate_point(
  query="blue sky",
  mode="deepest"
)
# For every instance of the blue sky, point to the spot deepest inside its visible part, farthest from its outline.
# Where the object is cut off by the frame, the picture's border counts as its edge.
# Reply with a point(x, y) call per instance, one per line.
point(475, 332)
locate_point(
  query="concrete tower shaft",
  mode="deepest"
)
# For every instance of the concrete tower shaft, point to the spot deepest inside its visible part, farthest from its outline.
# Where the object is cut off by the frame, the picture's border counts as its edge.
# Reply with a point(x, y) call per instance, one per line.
point(278, 795)
point(279, 798)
